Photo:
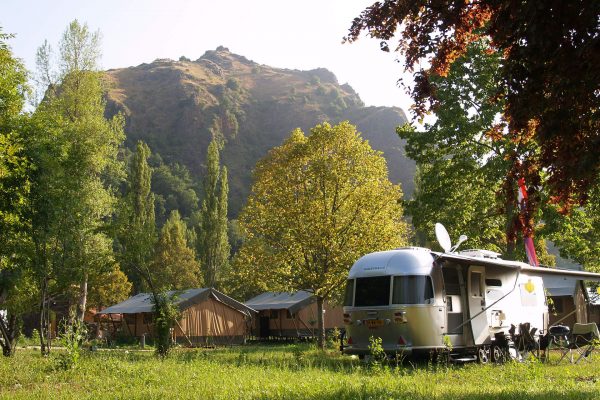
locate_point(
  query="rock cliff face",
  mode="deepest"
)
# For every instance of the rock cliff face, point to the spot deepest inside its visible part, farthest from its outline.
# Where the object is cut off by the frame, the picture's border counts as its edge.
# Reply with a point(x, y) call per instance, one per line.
point(176, 107)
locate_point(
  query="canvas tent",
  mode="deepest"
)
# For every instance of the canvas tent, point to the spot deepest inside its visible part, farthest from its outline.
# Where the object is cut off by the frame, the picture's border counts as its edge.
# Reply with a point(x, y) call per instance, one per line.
point(291, 315)
point(594, 306)
point(207, 317)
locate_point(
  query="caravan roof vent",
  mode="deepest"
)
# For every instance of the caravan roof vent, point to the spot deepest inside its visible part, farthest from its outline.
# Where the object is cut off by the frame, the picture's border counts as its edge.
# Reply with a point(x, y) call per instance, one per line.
point(479, 253)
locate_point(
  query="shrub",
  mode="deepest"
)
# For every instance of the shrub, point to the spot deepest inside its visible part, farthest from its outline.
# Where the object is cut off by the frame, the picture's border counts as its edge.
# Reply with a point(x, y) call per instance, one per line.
point(73, 334)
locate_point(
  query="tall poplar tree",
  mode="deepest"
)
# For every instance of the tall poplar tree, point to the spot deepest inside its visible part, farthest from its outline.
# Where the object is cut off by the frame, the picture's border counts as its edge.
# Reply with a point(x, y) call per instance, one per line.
point(213, 243)
point(138, 228)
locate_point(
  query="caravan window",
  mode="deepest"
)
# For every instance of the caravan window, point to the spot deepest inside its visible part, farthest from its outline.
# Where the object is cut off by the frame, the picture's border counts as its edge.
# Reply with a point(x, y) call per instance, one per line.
point(412, 289)
point(349, 292)
point(372, 291)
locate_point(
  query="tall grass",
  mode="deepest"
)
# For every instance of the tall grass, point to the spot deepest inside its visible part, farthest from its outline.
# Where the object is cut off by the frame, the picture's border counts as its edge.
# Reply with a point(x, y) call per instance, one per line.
point(284, 372)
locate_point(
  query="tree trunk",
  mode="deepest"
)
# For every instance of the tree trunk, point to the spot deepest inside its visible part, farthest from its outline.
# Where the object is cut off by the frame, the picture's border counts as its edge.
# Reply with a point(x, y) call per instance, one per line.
point(9, 332)
point(83, 291)
point(44, 345)
point(320, 323)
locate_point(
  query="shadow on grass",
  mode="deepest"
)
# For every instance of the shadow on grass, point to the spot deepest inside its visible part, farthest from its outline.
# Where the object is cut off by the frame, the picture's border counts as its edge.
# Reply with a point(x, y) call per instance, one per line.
point(363, 393)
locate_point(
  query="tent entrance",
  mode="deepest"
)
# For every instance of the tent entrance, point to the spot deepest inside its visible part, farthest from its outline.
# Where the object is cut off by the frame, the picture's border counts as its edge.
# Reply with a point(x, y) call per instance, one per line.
point(264, 330)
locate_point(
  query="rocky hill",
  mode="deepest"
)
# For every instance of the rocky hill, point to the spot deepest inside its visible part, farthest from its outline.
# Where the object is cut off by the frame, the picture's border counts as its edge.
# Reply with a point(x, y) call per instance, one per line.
point(176, 106)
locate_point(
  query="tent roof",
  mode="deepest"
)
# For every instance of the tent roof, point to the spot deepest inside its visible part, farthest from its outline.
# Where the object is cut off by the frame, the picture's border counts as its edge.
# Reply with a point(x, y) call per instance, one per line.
point(281, 301)
point(142, 303)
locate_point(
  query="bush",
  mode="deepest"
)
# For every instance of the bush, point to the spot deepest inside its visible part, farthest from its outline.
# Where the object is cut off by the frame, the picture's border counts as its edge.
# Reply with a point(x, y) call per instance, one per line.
point(74, 333)
point(377, 354)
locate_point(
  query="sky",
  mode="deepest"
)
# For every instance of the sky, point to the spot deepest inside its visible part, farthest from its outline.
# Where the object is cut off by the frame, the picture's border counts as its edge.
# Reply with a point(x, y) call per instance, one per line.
point(301, 35)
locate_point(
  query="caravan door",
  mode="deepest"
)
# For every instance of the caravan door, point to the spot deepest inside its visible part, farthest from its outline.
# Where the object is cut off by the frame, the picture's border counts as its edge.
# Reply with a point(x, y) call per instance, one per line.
point(476, 299)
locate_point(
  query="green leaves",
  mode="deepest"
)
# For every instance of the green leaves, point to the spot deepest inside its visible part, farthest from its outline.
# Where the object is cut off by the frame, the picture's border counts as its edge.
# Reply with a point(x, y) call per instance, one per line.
point(213, 243)
point(174, 265)
point(318, 203)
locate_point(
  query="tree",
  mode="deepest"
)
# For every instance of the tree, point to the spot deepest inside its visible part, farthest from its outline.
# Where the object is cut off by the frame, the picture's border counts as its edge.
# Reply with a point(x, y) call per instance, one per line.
point(174, 189)
point(14, 187)
point(138, 238)
point(174, 266)
point(73, 149)
point(318, 203)
point(547, 78)
point(464, 176)
point(213, 243)
point(137, 235)
point(461, 168)
point(577, 234)
point(109, 287)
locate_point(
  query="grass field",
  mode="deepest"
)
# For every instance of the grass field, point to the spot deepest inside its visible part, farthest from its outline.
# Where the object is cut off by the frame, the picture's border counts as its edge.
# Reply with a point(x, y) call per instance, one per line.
point(284, 372)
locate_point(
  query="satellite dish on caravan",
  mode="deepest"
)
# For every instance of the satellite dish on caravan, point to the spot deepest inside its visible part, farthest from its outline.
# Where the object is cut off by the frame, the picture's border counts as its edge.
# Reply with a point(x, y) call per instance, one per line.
point(442, 237)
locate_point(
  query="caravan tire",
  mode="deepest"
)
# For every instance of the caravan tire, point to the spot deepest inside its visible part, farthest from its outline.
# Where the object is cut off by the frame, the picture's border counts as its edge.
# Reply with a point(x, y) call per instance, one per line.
point(483, 354)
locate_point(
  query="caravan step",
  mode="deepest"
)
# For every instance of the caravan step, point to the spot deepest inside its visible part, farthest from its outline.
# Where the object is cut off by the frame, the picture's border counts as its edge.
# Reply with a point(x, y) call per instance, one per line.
point(462, 358)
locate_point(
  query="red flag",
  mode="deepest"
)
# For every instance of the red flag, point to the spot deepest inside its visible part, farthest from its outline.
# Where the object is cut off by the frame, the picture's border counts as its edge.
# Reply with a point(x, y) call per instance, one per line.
point(527, 239)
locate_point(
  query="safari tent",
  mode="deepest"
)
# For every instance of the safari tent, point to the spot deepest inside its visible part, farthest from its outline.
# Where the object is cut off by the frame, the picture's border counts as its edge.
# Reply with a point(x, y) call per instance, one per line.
point(207, 317)
point(291, 315)
point(594, 306)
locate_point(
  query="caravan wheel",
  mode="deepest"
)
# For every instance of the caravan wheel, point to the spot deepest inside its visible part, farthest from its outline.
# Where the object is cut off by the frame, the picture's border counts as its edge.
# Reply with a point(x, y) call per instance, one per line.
point(483, 354)
point(498, 354)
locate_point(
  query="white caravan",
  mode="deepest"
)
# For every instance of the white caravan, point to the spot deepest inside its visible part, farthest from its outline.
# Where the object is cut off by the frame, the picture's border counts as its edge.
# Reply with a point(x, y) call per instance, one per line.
point(417, 300)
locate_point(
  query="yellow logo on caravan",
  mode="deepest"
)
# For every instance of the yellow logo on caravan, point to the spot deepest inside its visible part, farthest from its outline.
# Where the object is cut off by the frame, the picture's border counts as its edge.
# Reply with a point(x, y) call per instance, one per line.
point(529, 286)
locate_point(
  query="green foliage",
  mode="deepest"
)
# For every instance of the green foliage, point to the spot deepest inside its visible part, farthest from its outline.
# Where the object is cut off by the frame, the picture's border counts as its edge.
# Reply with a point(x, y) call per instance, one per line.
point(577, 234)
point(16, 292)
point(318, 203)
point(460, 168)
point(137, 229)
point(14, 184)
point(465, 161)
point(73, 150)
point(174, 266)
point(174, 188)
point(73, 334)
point(165, 314)
point(377, 356)
point(213, 244)
point(108, 287)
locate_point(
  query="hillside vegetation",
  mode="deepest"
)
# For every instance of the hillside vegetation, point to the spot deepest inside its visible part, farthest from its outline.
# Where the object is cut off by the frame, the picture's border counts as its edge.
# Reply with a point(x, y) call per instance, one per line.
point(177, 106)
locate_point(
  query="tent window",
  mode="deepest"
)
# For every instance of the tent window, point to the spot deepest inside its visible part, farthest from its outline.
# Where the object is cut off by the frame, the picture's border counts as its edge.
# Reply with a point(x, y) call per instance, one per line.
point(148, 318)
point(129, 319)
point(558, 304)
point(274, 314)
point(412, 289)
